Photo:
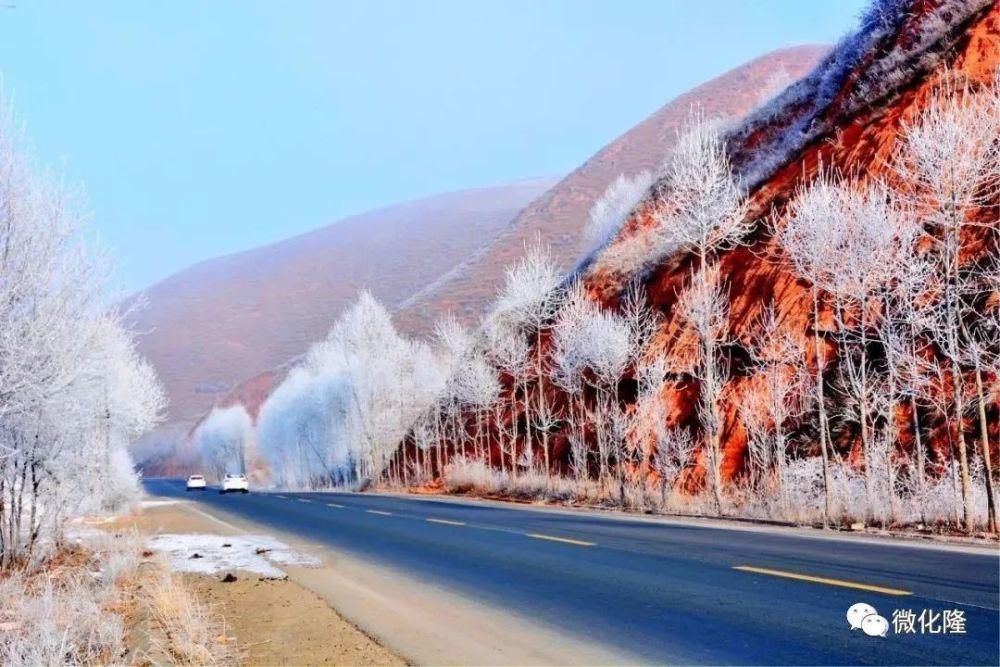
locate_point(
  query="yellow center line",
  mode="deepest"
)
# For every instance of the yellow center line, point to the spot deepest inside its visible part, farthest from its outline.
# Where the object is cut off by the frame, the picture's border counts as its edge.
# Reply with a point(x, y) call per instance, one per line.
point(303, 500)
point(334, 505)
point(447, 522)
point(822, 580)
point(564, 540)
point(379, 512)
point(278, 495)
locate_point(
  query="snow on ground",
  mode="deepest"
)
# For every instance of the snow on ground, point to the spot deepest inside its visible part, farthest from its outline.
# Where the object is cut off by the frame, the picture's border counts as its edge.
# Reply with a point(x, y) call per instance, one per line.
point(158, 503)
point(213, 554)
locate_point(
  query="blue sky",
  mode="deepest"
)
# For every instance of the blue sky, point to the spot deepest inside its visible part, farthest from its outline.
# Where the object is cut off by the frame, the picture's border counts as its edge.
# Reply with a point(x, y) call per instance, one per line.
point(204, 128)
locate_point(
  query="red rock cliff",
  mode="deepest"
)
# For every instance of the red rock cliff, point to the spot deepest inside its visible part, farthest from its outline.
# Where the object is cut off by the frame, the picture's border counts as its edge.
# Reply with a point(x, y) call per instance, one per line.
point(845, 117)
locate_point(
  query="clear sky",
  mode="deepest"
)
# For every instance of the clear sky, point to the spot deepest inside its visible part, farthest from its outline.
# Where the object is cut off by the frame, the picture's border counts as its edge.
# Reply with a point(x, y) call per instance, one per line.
point(204, 128)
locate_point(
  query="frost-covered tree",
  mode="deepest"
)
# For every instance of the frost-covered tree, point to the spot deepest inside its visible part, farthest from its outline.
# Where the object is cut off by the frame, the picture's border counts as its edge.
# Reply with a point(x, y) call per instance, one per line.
point(339, 416)
point(980, 341)
point(810, 236)
point(223, 438)
point(704, 306)
point(671, 447)
point(910, 360)
point(605, 350)
point(127, 401)
point(852, 242)
point(947, 169)
point(872, 243)
point(477, 388)
point(704, 209)
point(673, 454)
point(610, 211)
point(770, 406)
point(69, 453)
point(529, 299)
point(508, 350)
point(73, 392)
point(455, 343)
point(298, 433)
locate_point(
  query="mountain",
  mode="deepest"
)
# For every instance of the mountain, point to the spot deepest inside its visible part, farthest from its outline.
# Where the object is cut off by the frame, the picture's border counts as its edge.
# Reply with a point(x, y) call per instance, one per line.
point(830, 354)
point(219, 322)
point(237, 318)
point(559, 216)
point(843, 118)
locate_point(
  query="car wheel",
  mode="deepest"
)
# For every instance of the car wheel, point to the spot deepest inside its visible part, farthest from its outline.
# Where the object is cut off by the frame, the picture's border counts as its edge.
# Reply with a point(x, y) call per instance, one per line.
point(222, 492)
point(246, 491)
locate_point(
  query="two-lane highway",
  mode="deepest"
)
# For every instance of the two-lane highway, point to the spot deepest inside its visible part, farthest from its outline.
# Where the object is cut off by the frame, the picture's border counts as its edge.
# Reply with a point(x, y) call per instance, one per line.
point(663, 592)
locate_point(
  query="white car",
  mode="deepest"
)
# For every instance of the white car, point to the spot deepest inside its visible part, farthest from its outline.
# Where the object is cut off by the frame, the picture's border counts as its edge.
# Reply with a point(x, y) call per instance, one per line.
point(196, 483)
point(235, 482)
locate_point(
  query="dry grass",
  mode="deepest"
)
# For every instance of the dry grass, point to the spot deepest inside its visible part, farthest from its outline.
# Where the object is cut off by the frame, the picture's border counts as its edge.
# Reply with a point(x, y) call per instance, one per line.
point(180, 627)
point(937, 508)
point(474, 477)
point(89, 604)
point(70, 609)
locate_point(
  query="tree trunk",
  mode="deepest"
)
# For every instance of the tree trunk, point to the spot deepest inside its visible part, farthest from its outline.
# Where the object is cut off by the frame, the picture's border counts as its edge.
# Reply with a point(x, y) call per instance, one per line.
point(984, 435)
point(711, 385)
point(866, 445)
point(542, 407)
point(952, 248)
point(821, 405)
point(963, 456)
point(716, 453)
point(780, 446)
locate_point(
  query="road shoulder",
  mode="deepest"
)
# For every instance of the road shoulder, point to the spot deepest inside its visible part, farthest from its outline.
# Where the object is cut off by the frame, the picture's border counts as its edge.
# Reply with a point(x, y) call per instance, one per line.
point(274, 621)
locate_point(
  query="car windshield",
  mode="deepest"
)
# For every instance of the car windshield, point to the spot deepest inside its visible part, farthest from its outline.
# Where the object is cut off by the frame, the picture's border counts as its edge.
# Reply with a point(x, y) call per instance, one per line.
point(195, 477)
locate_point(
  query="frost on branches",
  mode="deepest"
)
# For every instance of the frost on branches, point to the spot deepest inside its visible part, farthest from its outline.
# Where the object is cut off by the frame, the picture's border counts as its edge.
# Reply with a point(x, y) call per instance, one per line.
point(339, 415)
point(74, 394)
point(848, 419)
point(223, 440)
point(559, 396)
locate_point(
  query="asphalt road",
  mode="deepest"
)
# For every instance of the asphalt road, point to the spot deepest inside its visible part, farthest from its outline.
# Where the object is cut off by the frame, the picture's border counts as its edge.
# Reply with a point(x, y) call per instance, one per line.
point(660, 592)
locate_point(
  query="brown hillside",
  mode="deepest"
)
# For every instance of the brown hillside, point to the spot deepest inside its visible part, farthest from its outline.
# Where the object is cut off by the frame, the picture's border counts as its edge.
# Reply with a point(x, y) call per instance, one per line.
point(234, 319)
point(559, 216)
point(231, 318)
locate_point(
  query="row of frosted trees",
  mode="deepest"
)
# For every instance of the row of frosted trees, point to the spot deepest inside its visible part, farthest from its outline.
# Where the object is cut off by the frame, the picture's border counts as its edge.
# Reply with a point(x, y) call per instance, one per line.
point(873, 400)
point(880, 407)
point(338, 416)
point(74, 394)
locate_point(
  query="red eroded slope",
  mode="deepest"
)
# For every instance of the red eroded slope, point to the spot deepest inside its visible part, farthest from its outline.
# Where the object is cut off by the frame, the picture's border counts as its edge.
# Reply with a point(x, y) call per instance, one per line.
point(843, 116)
point(854, 132)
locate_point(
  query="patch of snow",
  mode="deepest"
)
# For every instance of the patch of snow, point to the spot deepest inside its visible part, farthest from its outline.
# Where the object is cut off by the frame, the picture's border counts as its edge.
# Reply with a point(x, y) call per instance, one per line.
point(158, 503)
point(213, 554)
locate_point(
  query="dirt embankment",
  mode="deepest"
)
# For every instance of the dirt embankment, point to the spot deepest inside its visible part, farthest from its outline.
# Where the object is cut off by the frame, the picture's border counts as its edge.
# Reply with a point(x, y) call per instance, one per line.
point(271, 621)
